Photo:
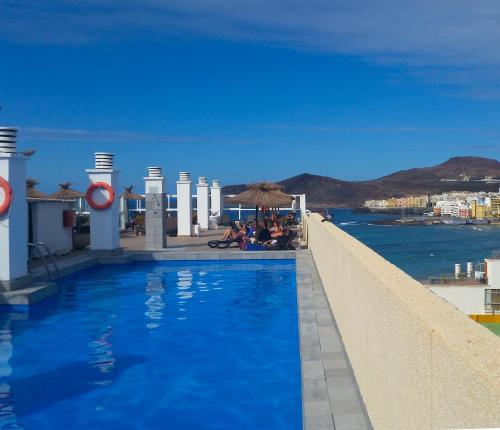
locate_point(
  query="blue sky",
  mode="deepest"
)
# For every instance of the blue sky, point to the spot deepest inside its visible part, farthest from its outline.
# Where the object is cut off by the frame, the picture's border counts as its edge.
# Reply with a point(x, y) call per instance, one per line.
point(244, 91)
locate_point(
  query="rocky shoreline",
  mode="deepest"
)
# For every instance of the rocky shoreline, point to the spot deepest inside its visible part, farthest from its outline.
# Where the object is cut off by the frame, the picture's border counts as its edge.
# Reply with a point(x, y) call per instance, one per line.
point(434, 221)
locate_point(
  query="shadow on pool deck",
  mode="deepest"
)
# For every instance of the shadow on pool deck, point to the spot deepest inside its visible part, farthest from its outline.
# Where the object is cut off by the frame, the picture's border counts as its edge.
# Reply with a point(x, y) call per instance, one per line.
point(35, 393)
point(130, 242)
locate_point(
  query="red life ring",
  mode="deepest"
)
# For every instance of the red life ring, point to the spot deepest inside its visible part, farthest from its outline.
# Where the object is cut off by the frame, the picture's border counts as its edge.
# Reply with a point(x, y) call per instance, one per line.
point(90, 198)
point(7, 191)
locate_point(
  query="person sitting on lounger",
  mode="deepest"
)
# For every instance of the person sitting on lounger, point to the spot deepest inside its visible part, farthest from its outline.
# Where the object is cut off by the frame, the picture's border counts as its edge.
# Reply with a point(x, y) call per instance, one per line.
point(276, 230)
point(234, 233)
point(264, 234)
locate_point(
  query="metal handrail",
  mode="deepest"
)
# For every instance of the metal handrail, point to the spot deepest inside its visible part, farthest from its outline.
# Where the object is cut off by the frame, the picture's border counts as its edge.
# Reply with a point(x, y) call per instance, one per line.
point(51, 256)
point(40, 255)
point(37, 246)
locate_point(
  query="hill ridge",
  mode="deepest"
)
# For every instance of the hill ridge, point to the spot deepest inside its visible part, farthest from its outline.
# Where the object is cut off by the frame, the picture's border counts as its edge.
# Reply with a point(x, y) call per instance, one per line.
point(327, 191)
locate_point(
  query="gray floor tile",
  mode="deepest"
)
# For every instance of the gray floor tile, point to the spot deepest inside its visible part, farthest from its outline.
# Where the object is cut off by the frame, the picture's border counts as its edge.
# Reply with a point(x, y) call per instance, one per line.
point(311, 384)
point(344, 401)
point(313, 369)
point(350, 422)
point(333, 355)
point(335, 363)
point(319, 393)
point(333, 373)
point(328, 332)
point(330, 346)
point(341, 383)
point(317, 407)
point(319, 422)
point(327, 381)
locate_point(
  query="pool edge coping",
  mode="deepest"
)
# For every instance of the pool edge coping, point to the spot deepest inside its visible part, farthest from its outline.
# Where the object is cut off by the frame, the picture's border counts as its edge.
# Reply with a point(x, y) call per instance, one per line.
point(81, 262)
point(42, 287)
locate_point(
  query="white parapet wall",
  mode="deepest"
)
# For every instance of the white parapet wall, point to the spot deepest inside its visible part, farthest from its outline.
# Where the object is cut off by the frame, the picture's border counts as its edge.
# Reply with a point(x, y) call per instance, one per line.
point(48, 226)
point(420, 363)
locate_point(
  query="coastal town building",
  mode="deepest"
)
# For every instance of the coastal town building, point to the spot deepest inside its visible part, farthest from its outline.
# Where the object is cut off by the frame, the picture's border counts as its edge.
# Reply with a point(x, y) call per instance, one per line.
point(400, 202)
point(495, 206)
point(457, 204)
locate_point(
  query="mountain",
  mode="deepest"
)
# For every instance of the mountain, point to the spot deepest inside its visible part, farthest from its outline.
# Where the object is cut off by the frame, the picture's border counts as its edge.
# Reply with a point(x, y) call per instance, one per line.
point(325, 191)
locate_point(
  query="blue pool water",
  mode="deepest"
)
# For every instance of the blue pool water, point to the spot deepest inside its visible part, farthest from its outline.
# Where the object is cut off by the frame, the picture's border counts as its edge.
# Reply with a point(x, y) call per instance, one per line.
point(157, 345)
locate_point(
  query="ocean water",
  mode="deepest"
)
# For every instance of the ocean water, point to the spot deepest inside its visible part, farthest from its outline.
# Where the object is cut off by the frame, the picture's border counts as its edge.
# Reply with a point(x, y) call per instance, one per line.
point(157, 345)
point(421, 251)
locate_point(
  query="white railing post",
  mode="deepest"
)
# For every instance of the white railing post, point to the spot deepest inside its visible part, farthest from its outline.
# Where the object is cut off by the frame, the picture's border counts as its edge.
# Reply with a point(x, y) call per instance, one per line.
point(216, 200)
point(184, 205)
point(202, 202)
point(303, 205)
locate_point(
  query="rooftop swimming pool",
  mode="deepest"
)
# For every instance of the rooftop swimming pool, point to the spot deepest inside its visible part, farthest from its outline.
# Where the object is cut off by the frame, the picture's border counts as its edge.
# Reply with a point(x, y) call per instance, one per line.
point(175, 345)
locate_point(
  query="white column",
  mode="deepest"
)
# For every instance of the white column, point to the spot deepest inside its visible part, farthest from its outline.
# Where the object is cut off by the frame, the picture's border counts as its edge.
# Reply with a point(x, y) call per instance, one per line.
point(216, 204)
point(184, 205)
point(156, 209)
point(202, 202)
point(123, 212)
point(14, 222)
point(104, 223)
point(155, 182)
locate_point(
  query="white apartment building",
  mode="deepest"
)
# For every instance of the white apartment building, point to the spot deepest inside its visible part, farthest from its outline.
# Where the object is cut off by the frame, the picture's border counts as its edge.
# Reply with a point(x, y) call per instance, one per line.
point(448, 207)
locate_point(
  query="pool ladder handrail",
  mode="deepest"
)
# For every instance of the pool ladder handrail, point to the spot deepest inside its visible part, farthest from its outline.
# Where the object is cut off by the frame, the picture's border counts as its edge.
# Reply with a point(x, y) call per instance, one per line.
point(38, 247)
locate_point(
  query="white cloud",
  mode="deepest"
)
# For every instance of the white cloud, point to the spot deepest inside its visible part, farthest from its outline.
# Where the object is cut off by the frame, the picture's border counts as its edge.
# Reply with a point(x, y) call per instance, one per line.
point(82, 135)
point(453, 42)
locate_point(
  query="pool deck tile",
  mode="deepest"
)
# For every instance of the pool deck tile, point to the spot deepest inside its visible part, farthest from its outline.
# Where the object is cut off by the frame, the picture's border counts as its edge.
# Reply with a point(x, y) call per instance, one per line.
point(330, 396)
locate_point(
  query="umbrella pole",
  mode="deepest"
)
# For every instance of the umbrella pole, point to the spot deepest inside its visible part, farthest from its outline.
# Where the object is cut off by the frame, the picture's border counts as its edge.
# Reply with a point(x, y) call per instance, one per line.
point(256, 217)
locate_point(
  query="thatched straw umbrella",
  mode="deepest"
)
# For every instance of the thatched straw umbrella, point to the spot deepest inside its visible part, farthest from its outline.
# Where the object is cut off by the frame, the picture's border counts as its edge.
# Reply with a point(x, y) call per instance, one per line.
point(33, 193)
point(66, 193)
point(262, 194)
point(128, 194)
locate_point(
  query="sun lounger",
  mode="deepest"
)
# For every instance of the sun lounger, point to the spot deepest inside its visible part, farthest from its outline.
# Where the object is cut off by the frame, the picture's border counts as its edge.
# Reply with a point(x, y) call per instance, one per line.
point(221, 244)
point(283, 243)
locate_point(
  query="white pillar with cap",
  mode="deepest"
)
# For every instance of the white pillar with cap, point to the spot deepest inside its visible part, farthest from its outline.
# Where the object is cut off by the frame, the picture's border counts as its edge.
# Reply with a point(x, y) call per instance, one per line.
point(216, 206)
point(154, 183)
point(104, 223)
point(184, 205)
point(202, 202)
point(14, 216)
point(156, 209)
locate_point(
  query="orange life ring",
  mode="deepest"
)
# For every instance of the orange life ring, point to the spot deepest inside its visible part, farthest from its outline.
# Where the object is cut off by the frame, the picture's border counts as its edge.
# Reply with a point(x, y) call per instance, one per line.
point(7, 200)
point(90, 198)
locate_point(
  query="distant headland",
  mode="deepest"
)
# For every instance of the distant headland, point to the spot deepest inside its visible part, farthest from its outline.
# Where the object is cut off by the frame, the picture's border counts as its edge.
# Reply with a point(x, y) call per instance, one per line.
point(455, 174)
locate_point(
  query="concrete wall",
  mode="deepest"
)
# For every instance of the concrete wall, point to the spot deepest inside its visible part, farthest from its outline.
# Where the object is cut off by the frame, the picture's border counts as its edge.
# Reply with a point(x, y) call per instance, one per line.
point(469, 300)
point(47, 222)
point(493, 268)
point(419, 362)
